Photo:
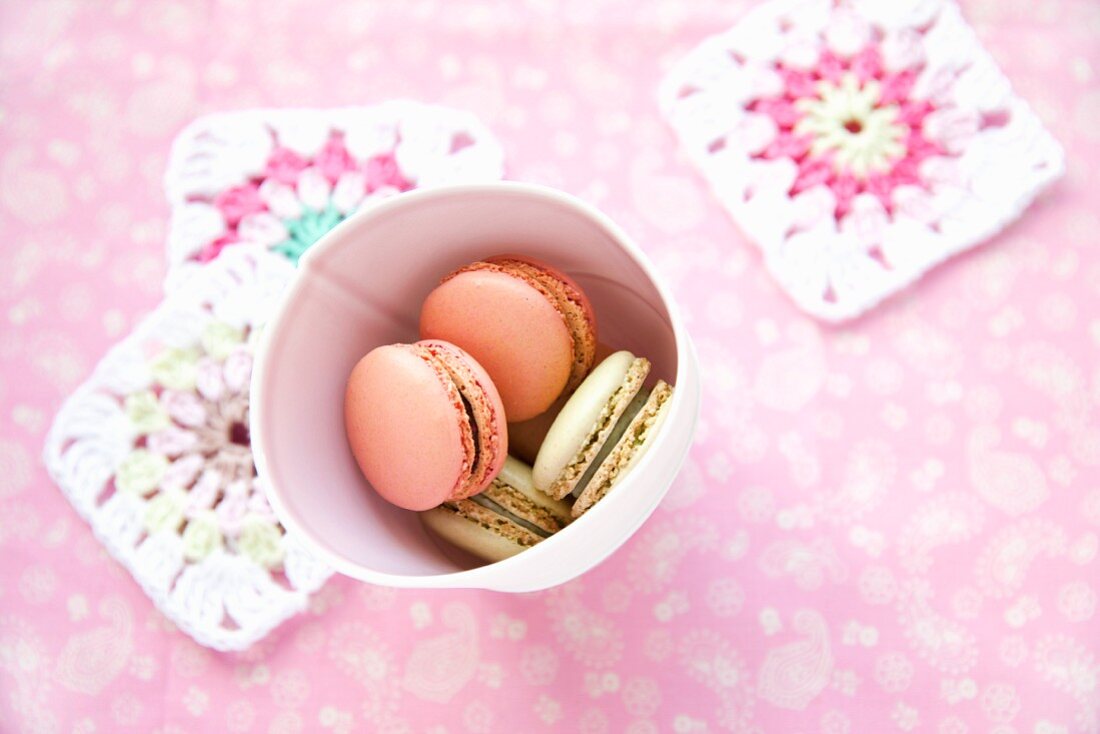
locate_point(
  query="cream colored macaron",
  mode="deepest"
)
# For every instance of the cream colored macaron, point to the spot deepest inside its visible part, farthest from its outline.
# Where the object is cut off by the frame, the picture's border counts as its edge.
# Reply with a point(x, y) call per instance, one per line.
point(510, 516)
point(586, 421)
point(627, 448)
point(601, 432)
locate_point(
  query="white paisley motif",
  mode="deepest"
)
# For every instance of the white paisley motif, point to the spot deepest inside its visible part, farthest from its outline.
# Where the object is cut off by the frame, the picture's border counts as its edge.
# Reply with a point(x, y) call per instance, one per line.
point(1071, 667)
point(944, 644)
point(1010, 481)
point(28, 686)
point(590, 637)
point(439, 667)
point(690, 485)
point(893, 671)
point(807, 564)
point(868, 476)
point(538, 665)
point(661, 547)
point(793, 675)
point(710, 659)
point(1003, 564)
point(924, 347)
point(1051, 371)
point(790, 378)
point(358, 651)
point(726, 383)
point(91, 660)
point(945, 520)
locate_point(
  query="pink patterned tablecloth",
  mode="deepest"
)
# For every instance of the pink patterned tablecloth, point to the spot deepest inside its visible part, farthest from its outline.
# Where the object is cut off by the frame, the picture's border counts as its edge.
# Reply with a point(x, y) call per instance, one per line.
point(892, 525)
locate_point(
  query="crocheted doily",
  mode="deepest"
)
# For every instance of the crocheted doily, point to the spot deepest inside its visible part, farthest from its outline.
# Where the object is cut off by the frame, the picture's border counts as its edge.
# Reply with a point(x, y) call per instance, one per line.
point(282, 178)
point(154, 449)
point(857, 142)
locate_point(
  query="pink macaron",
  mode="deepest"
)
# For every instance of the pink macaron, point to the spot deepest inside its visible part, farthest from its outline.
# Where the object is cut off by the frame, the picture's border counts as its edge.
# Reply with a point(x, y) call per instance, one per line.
point(425, 423)
point(530, 325)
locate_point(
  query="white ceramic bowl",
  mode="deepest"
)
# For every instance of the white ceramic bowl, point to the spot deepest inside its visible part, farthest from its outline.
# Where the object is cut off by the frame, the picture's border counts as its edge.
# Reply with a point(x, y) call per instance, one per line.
point(361, 286)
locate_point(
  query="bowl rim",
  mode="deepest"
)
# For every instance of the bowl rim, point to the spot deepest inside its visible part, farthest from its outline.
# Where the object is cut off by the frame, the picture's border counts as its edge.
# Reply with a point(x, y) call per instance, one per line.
point(481, 576)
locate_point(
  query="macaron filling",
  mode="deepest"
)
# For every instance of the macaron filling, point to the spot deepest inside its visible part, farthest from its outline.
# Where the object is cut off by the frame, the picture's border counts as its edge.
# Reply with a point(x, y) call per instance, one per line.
point(466, 426)
point(489, 504)
point(612, 438)
point(530, 505)
point(629, 447)
point(475, 434)
point(600, 436)
point(480, 419)
point(493, 521)
point(509, 516)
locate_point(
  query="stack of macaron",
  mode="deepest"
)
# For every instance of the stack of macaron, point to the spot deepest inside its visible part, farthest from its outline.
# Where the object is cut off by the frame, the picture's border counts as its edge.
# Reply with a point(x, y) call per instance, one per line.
point(508, 344)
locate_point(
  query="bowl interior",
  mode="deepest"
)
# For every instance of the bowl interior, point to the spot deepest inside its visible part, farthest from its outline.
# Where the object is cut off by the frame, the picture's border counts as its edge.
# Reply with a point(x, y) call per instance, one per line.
point(361, 287)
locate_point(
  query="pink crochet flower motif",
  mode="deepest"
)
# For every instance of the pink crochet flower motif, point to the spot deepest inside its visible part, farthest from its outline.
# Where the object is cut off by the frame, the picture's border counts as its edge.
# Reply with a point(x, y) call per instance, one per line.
point(851, 125)
point(857, 143)
point(300, 198)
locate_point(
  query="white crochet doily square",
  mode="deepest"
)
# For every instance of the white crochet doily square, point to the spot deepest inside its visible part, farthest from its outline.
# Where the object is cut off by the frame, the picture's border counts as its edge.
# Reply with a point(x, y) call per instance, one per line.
point(153, 451)
point(858, 143)
point(282, 178)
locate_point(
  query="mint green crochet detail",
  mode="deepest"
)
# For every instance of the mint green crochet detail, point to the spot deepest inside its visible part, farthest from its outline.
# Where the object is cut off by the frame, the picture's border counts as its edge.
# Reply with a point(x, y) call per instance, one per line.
point(164, 513)
point(202, 536)
point(145, 412)
point(306, 230)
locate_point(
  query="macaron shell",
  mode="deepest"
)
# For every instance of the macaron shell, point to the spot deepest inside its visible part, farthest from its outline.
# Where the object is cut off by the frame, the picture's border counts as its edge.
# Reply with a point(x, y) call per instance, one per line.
point(516, 474)
point(511, 329)
point(475, 385)
point(571, 302)
point(478, 531)
point(571, 289)
point(407, 428)
point(603, 351)
point(526, 437)
point(578, 419)
point(515, 492)
point(627, 451)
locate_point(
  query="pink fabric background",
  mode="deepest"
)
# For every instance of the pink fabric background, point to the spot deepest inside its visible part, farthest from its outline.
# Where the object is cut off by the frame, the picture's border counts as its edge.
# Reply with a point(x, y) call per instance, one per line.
point(891, 526)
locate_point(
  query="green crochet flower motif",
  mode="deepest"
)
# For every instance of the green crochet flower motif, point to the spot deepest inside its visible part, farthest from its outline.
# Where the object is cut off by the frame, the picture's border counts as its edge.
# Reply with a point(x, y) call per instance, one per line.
point(306, 230)
point(219, 339)
point(202, 536)
point(145, 412)
point(175, 368)
point(140, 472)
point(261, 541)
point(164, 513)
